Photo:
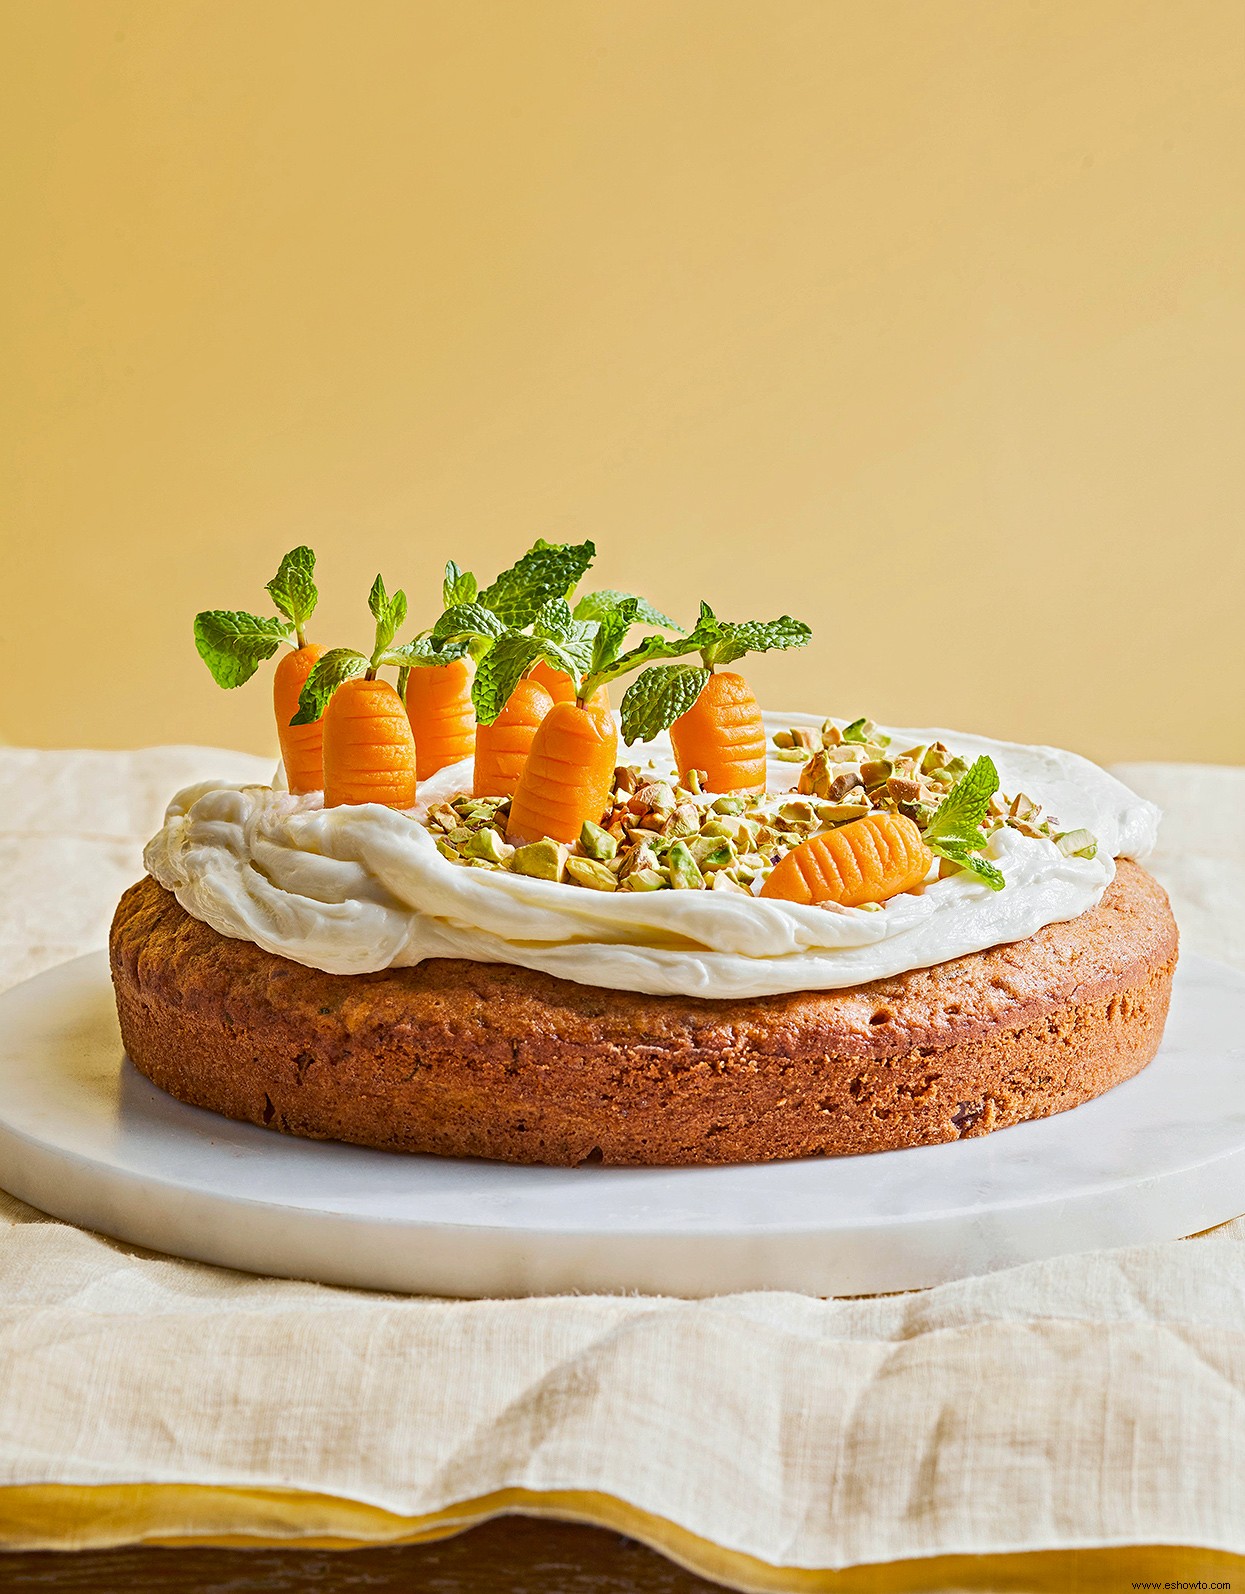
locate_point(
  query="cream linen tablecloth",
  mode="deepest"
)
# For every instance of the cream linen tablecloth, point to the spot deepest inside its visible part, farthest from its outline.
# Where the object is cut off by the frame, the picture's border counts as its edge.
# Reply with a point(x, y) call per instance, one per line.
point(768, 1440)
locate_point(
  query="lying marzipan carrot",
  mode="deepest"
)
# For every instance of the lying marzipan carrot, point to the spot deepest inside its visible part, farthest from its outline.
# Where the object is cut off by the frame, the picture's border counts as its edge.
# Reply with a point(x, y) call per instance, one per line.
point(438, 700)
point(722, 735)
point(867, 861)
point(369, 751)
point(568, 776)
point(301, 745)
point(503, 746)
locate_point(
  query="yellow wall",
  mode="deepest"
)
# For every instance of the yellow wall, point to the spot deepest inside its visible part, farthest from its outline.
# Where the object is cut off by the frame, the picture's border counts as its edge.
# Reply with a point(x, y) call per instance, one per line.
point(921, 320)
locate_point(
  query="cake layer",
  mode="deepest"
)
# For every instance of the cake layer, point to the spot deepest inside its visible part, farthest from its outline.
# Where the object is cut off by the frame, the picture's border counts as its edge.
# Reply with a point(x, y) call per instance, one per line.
point(460, 1058)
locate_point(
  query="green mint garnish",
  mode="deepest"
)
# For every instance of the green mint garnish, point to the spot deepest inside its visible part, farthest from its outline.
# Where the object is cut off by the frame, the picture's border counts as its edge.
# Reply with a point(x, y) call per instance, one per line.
point(334, 667)
point(595, 605)
point(293, 588)
point(233, 644)
point(954, 830)
point(657, 697)
point(458, 587)
point(546, 570)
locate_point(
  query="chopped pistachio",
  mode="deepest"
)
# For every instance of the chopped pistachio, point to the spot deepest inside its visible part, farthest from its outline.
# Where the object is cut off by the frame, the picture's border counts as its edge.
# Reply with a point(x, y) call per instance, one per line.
point(722, 881)
point(694, 780)
point(460, 836)
point(645, 880)
point(797, 811)
point(640, 856)
point(712, 852)
point(597, 843)
point(542, 860)
point(446, 851)
point(627, 778)
point(684, 873)
point(481, 863)
point(656, 795)
point(902, 789)
point(487, 845)
point(1077, 844)
point(587, 872)
point(793, 755)
point(876, 772)
point(684, 821)
point(729, 805)
point(838, 813)
point(831, 735)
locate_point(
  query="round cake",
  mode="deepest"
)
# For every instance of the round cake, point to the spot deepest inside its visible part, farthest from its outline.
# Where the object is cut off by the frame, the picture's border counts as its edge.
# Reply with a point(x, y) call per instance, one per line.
point(460, 1057)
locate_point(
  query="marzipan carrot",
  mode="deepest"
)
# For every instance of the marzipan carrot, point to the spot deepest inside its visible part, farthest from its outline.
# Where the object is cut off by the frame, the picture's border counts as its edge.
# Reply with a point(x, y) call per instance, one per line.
point(722, 735)
point(568, 775)
point(301, 745)
point(438, 700)
point(868, 860)
point(503, 746)
point(369, 751)
point(557, 683)
point(233, 643)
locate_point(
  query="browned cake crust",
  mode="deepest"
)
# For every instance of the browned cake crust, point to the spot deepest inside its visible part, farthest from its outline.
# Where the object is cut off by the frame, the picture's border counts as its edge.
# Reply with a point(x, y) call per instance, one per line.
point(479, 1059)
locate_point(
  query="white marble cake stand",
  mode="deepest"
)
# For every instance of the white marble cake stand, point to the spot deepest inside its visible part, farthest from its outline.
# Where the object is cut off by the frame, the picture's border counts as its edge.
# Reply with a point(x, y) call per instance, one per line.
point(85, 1137)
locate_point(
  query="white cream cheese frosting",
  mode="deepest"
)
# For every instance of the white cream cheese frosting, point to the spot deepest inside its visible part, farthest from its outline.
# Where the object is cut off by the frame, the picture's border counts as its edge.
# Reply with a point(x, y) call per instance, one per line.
point(353, 889)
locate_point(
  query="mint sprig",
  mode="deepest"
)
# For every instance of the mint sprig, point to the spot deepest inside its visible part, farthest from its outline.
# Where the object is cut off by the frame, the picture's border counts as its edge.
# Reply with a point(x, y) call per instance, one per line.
point(546, 570)
point(332, 669)
point(954, 831)
point(388, 612)
point(459, 586)
point(293, 588)
point(724, 641)
point(596, 605)
point(233, 644)
point(503, 667)
point(658, 697)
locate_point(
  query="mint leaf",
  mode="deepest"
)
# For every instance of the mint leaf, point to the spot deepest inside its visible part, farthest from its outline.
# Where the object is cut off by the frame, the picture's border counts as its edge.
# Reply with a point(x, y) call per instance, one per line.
point(612, 626)
point(233, 644)
point(553, 619)
point(596, 605)
point(334, 667)
point(458, 587)
point(962, 810)
point(546, 570)
point(388, 612)
point(501, 670)
point(732, 641)
point(467, 620)
point(971, 861)
point(657, 697)
point(293, 588)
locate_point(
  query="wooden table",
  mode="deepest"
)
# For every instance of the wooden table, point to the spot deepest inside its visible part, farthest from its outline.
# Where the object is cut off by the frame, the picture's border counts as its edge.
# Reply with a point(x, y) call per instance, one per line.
point(513, 1555)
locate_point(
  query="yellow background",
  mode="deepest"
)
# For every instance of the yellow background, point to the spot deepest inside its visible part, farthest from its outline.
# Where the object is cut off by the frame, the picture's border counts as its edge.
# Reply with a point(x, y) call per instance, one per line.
point(922, 321)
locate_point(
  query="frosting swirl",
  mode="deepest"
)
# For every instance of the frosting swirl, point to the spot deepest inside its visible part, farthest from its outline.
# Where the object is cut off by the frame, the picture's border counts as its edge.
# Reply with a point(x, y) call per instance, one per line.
point(353, 889)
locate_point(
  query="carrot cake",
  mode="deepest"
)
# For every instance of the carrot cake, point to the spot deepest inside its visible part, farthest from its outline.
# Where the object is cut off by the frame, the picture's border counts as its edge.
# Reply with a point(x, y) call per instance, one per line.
point(750, 937)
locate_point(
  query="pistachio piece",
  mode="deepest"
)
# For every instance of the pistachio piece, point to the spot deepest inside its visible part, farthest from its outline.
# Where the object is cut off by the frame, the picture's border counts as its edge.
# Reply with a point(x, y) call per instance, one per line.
point(712, 852)
point(831, 735)
point(1077, 844)
point(784, 739)
point(902, 789)
point(694, 780)
point(793, 755)
point(460, 836)
point(446, 851)
point(626, 778)
point(729, 805)
point(684, 873)
point(876, 772)
point(487, 845)
point(542, 860)
point(587, 872)
point(645, 880)
point(722, 881)
point(840, 813)
point(797, 812)
point(657, 795)
point(641, 856)
point(684, 821)
point(596, 842)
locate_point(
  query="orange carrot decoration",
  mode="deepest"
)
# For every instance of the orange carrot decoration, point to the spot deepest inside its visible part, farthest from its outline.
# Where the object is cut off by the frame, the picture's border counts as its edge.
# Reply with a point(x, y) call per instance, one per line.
point(714, 720)
point(568, 775)
point(868, 860)
point(722, 735)
point(232, 644)
point(438, 701)
point(369, 752)
point(369, 749)
point(557, 683)
point(503, 746)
